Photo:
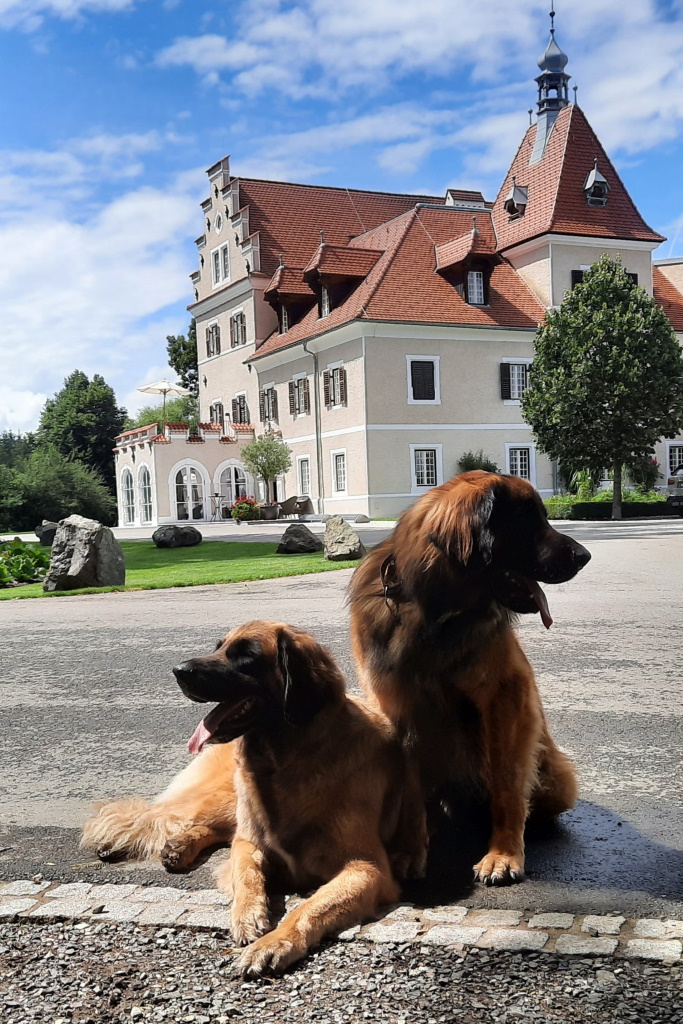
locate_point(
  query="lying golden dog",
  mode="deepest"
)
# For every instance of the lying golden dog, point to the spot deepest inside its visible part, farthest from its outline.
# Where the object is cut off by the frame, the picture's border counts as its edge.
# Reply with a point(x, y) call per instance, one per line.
point(313, 784)
point(432, 615)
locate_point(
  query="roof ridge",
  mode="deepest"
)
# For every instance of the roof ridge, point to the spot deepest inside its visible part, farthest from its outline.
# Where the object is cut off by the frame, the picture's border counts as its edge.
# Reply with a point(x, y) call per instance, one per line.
point(343, 188)
point(553, 208)
point(412, 214)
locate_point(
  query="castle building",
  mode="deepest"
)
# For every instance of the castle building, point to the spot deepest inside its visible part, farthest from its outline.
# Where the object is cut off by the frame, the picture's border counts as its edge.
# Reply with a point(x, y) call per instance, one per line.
point(382, 336)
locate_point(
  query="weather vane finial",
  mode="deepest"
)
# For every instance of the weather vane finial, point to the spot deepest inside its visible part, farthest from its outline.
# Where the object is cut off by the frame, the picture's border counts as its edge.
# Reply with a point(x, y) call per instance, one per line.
point(552, 21)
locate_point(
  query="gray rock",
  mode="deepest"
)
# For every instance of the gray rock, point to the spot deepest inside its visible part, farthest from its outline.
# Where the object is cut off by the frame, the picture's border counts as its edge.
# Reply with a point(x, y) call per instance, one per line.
point(341, 541)
point(297, 540)
point(176, 537)
point(362, 519)
point(46, 532)
point(84, 554)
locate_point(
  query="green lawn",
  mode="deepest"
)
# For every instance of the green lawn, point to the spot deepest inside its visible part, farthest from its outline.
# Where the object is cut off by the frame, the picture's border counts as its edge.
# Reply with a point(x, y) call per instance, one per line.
point(152, 568)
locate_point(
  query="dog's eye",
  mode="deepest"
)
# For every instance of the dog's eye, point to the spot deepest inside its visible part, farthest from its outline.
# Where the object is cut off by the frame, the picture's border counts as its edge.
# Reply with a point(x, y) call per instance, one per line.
point(244, 650)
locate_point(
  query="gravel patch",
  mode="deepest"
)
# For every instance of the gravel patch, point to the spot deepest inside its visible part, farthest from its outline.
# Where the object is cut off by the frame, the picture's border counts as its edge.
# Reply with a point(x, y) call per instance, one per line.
point(84, 973)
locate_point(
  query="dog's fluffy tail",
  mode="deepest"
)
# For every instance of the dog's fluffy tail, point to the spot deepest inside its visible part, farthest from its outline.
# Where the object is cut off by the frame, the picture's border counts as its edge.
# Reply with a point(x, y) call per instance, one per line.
point(131, 829)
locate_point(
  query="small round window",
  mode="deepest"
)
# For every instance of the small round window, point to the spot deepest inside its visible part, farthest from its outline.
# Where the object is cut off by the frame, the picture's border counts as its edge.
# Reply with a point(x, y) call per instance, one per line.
point(218, 223)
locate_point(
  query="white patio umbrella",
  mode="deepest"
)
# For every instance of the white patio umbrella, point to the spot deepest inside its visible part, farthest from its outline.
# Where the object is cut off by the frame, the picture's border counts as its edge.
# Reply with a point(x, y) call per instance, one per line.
point(164, 387)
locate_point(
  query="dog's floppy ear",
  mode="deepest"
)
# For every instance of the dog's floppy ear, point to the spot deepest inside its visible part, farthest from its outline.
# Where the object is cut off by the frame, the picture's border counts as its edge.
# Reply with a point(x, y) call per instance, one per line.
point(458, 526)
point(310, 678)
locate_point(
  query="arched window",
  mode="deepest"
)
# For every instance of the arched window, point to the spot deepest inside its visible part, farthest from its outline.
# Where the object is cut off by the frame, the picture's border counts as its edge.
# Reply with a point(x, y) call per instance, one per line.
point(189, 493)
point(128, 494)
point(145, 485)
point(233, 484)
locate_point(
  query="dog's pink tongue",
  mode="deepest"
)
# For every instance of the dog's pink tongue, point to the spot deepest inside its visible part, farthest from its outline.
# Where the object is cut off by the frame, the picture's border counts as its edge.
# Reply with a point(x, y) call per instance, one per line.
point(198, 738)
point(541, 602)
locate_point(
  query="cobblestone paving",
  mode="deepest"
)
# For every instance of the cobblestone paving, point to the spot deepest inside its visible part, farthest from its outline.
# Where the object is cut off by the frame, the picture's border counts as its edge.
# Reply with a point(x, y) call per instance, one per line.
point(454, 926)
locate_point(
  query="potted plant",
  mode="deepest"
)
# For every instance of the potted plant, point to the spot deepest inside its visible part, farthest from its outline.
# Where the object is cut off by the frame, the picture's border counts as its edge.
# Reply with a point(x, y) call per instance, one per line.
point(267, 458)
point(246, 508)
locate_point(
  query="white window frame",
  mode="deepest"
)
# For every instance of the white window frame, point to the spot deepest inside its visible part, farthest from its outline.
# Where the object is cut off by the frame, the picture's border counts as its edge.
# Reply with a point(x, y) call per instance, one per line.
point(237, 396)
point(218, 223)
point(331, 367)
point(209, 325)
point(516, 361)
point(129, 507)
point(325, 304)
point(437, 380)
point(296, 377)
point(438, 448)
point(480, 280)
point(334, 454)
point(302, 492)
point(669, 446)
point(238, 311)
point(272, 387)
point(223, 275)
point(141, 503)
point(532, 459)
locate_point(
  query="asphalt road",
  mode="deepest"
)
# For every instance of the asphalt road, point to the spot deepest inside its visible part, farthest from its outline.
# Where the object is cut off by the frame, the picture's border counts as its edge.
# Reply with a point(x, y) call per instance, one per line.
point(89, 710)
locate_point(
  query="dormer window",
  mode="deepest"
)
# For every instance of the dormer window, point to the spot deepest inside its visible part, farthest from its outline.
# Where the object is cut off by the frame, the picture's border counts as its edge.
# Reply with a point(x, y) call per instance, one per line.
point(475, 288)
point(516, 201)
point(596, 187)
point(284, 320)
point(325, 305)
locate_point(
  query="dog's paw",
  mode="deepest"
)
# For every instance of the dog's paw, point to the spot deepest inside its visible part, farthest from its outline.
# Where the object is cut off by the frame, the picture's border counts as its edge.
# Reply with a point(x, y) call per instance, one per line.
point(112, 854)
point(174, 857)
point(249, 923)
point(499, 869)
point(269, 955)
point(410, 865)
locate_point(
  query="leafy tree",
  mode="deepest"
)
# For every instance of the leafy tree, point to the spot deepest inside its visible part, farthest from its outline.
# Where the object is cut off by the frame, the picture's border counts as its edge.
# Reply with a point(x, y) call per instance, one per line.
point(81, 422)
point(267, 458)
point(606, 381)
point(182, 356)
point(178, 410)
point(476, 460)
point(15, 448)
point(51, 486)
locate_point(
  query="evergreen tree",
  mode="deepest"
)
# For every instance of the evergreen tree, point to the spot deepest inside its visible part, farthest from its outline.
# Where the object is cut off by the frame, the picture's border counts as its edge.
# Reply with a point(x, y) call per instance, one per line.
point(81, 422)
point(15, 448)
point(182, 356)
point(607, 378)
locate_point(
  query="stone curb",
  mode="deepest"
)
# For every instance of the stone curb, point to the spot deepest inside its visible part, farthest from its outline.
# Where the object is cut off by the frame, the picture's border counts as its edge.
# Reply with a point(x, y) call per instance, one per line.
point(455, 926)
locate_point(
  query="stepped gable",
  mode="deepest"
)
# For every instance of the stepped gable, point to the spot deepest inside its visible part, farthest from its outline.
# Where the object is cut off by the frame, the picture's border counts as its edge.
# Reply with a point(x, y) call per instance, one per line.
point(404, 285)
point(289, 218)
point(556, 198)
point(669, 298)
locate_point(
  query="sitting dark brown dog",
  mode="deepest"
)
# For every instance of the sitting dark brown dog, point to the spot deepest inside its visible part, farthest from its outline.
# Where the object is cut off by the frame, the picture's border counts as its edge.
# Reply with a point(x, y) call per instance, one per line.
point(432, 615)
point(313, 784)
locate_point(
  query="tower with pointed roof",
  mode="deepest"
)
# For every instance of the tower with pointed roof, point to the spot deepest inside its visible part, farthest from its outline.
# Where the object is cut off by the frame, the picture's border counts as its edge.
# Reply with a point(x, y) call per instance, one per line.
point(562, 202)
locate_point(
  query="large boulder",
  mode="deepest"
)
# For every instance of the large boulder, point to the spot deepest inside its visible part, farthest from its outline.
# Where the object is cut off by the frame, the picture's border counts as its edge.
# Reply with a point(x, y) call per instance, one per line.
point(298, 540)
point(341, 541)
point(176, 537)
point(84, 554)
point(46, 532)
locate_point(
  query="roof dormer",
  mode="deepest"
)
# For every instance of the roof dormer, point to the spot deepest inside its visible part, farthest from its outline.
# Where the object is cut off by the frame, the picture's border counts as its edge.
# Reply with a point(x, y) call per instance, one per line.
point(516, 201)
point(596, 187)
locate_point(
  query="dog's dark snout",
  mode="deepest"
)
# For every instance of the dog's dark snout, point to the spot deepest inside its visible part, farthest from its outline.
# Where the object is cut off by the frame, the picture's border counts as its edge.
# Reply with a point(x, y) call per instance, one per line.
point(184, 671)
point(581, 555)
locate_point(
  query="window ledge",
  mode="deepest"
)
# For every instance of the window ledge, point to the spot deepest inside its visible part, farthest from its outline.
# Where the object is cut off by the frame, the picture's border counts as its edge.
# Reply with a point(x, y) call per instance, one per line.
point(424, 401)
point(511, 401)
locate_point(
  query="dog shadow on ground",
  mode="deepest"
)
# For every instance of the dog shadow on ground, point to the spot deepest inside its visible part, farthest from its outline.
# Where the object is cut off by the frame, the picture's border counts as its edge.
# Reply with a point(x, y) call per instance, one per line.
point(587, 849)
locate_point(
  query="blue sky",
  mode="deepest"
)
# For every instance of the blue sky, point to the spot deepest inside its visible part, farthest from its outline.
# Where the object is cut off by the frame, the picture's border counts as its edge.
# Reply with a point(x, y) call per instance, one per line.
point(112, 109)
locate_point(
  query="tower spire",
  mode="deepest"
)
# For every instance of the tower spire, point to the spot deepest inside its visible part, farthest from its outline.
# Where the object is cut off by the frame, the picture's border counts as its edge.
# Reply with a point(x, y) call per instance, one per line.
point(553, 82)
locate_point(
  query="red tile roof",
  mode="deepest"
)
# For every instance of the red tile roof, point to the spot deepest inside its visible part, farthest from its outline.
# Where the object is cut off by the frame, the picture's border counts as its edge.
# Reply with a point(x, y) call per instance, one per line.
point(556, 198)
point(288, 281)
point(669, 298)
point(289, 218)
point(472, 243)
point(343, 260)
point(404, 285)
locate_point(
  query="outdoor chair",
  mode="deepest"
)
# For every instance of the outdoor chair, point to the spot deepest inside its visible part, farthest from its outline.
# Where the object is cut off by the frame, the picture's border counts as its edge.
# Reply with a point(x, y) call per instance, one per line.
point(288, 507)
point(304, 505)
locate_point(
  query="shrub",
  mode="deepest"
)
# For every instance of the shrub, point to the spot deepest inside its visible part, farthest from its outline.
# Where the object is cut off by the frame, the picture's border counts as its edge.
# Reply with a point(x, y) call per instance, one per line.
point(476, 460)
point(644, 473)
point(245, 509)
point(21, 564)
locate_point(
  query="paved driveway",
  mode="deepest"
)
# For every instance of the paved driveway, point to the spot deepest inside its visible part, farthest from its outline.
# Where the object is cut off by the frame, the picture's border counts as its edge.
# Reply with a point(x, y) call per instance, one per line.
point(89, 709)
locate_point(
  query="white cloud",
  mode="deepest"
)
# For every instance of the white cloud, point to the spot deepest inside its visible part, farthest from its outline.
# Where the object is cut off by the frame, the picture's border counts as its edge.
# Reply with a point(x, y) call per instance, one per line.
point(98, 291)
point(29, 14)
point(627, 58)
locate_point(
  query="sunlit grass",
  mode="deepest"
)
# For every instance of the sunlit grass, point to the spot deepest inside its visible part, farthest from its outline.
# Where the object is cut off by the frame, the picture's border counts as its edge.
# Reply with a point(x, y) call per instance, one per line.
point(231, 561)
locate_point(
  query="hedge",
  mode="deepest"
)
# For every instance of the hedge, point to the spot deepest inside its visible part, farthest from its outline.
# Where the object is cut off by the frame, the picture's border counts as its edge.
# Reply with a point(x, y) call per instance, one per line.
point(563, 508)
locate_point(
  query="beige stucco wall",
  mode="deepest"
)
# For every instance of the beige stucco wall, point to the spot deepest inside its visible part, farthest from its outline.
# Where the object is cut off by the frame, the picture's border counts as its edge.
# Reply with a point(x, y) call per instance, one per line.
point(673, 272)
point(534, 269)
point(567, 257)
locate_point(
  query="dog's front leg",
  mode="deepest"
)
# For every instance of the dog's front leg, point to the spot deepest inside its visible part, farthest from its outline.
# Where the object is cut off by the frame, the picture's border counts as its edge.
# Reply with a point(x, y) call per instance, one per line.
point(349, 898)
point(511, 741)
point(247, 881)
